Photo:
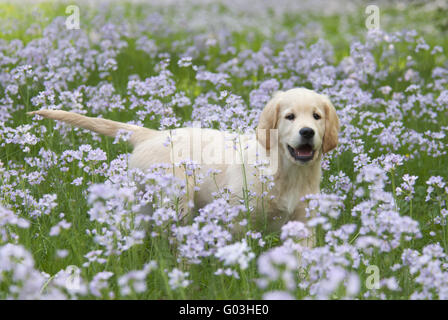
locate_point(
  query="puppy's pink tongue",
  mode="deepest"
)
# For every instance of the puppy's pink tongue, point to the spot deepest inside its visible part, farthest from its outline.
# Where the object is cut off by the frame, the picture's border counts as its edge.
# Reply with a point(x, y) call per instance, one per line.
point(304, 152)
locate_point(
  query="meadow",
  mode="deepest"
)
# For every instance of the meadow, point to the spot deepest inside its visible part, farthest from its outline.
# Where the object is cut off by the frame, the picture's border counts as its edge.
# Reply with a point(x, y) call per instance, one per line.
point(69, 205)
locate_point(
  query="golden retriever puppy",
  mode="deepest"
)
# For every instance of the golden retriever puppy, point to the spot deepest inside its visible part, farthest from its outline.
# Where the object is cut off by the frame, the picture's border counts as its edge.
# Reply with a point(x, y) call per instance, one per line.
point(295, 128)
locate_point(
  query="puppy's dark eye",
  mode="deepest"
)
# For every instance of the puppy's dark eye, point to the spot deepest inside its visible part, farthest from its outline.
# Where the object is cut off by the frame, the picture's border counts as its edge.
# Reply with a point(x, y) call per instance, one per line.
point(316, 116)
point(290, 116)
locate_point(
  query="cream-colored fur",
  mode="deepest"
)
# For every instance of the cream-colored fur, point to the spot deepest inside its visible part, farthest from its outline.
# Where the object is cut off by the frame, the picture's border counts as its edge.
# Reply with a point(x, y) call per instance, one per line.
point(293, 179)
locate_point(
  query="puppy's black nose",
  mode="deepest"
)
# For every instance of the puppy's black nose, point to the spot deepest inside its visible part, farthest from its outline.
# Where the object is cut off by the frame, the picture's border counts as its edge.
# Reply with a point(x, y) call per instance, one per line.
point(307, 133)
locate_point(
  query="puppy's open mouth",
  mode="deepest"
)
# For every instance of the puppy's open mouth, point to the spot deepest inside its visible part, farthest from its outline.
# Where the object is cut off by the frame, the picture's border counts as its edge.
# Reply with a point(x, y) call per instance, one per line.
point(303, 152)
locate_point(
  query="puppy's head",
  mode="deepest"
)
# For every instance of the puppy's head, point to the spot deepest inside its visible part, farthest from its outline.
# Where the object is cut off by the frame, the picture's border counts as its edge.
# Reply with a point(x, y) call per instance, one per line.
point(307, 125)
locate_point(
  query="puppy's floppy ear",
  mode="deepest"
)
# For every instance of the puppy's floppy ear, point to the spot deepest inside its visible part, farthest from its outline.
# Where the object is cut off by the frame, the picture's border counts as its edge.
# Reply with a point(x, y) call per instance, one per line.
point(268, 120)
point(330, 140)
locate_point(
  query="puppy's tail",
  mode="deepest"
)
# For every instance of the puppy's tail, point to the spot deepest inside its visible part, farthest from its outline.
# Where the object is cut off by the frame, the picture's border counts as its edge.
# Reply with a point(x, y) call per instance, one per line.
point(103, 126)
